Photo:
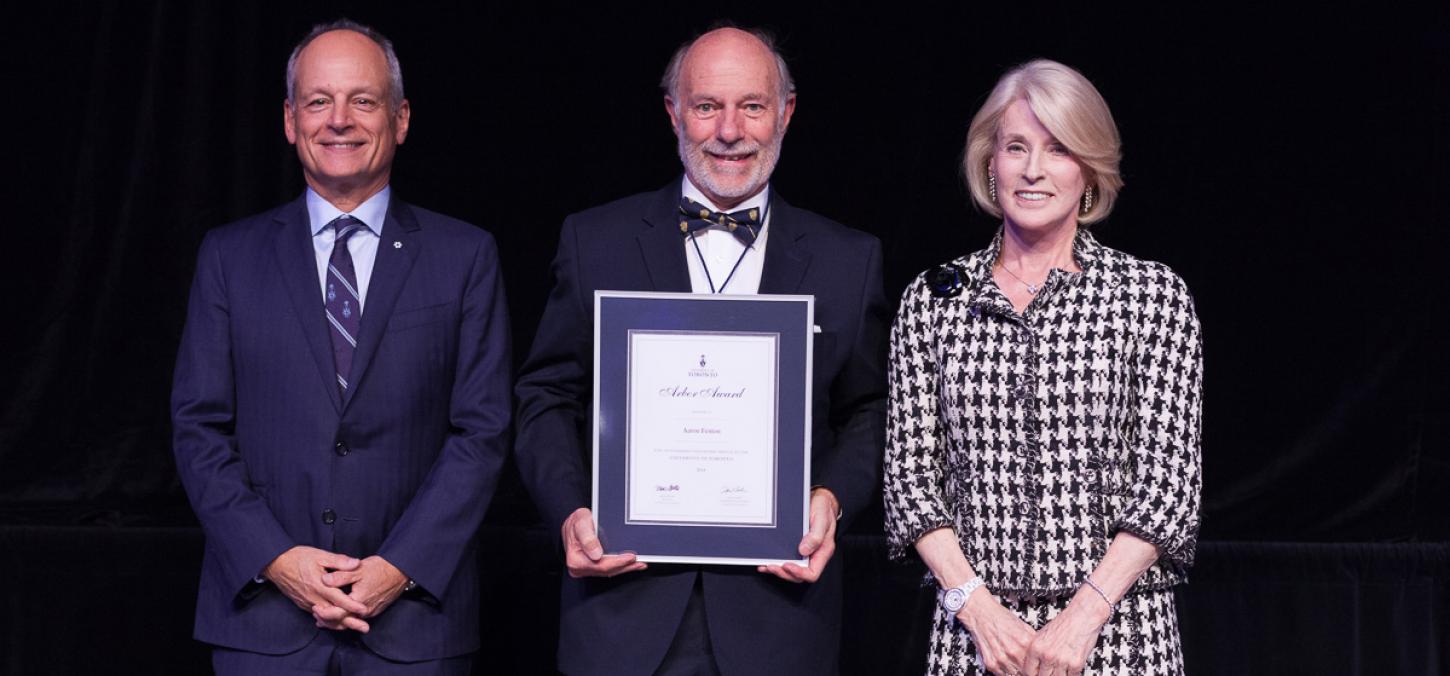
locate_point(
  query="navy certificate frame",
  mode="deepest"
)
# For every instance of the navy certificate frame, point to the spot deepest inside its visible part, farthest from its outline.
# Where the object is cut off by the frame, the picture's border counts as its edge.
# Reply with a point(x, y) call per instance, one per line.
point(701, 426)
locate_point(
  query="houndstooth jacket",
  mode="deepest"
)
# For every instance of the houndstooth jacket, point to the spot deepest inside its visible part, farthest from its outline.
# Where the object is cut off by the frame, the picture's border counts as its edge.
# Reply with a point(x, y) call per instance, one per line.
point(1038, 436)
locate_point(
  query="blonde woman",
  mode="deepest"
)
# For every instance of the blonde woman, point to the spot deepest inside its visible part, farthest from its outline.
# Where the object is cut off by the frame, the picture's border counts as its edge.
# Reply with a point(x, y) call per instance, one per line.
point(1043, 436)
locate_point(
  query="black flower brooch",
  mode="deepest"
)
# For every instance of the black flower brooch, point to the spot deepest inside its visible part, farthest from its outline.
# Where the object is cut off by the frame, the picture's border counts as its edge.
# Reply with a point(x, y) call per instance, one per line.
point(946, 281)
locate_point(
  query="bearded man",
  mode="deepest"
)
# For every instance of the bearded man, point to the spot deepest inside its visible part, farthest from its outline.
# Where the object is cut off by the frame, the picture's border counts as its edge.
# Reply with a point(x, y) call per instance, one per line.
point(730, 99)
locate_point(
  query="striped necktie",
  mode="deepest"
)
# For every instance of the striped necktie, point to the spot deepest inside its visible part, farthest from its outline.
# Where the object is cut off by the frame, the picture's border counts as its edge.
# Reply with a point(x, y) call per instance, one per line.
point(344, 305)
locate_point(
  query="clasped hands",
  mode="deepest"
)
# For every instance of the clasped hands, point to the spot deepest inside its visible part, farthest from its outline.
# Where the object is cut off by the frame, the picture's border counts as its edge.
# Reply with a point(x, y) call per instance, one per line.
point(584, 556)
point(1009, 647)
point(340, 591)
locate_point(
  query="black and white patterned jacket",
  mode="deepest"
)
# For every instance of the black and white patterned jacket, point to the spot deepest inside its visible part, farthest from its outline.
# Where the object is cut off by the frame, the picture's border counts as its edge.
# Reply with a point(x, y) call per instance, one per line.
point(1039, 436)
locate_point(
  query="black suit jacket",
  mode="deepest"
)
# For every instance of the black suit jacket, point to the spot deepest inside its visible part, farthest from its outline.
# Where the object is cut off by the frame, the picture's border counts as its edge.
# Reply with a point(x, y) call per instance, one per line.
point(758, 624)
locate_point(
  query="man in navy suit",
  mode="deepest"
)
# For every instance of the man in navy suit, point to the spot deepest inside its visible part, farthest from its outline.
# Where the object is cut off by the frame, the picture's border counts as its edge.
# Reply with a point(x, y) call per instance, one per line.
point(729, 97)
point(341, 399)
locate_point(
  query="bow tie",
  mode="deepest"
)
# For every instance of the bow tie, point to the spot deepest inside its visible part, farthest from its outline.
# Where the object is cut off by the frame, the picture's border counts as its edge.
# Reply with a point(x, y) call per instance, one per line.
point(744, 224)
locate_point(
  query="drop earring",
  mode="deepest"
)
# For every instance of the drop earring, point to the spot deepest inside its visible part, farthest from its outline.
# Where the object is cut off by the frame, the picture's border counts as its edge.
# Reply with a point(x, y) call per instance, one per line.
point(991, 185)
point(1087, 200)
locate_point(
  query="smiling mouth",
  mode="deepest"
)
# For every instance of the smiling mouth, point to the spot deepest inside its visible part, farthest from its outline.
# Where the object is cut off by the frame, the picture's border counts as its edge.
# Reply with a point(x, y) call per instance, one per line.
point(343, 145)
point(734, 157)
point(1033, 196)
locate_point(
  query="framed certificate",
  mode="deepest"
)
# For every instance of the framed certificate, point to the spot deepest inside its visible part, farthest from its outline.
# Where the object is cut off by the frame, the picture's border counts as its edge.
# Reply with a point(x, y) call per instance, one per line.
point(702, 419)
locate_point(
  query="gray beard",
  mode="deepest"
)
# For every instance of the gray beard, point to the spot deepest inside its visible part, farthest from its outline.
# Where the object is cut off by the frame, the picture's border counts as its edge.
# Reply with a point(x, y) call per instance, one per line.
point(697, 164)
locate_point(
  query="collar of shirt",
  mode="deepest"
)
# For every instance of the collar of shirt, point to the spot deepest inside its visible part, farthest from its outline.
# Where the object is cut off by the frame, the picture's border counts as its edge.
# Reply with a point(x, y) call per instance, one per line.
point(1086, 252)
point(759, 201)
point(714, 255)
point(371, 212)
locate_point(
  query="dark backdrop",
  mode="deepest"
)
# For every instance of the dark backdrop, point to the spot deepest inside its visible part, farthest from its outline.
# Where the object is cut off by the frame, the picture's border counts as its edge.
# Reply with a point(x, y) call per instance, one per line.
point(1290, 167)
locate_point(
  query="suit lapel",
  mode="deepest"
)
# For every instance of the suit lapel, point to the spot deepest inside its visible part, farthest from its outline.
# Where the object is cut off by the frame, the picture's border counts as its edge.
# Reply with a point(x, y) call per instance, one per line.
point(397, 250)
point(786, 259)
point(661, 245)
point(298, 262)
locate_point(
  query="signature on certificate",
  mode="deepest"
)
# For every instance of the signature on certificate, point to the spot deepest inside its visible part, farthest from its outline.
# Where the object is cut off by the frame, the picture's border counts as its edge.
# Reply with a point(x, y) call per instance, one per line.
point(672, 488)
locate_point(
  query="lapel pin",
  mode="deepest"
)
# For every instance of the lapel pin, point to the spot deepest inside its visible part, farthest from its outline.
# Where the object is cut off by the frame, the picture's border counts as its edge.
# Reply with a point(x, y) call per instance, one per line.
point(397, 244)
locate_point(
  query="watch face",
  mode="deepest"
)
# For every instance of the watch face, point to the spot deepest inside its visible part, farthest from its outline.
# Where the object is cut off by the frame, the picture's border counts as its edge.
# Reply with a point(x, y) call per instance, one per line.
point(953, 599)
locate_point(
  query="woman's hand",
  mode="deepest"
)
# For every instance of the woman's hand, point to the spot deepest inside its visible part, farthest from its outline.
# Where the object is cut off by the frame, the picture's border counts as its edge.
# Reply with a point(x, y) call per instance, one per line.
point(1063, 646)
point(1001, 637)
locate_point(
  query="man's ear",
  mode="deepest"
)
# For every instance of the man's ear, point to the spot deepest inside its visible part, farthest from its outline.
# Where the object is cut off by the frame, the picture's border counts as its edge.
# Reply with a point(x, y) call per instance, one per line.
point(674, 114)
point(289, 127)
point(400, 121)
point(789, 111)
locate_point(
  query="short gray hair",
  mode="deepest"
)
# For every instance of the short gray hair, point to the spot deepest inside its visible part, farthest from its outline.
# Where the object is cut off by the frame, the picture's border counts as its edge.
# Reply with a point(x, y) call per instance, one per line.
point(395, 70)
point(671, 80)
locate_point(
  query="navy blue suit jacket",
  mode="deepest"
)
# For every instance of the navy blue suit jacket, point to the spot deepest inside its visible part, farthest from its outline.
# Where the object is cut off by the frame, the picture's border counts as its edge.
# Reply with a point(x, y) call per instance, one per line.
point(404, 466)
point(758, 624)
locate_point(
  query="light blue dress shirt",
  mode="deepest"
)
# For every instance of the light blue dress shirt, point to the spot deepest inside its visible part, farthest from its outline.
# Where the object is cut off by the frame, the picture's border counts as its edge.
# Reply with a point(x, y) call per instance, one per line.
point(363, 246)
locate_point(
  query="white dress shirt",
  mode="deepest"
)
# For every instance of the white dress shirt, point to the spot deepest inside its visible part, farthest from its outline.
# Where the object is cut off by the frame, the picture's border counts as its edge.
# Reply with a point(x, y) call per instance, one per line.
point(720, 250)
point(363, 245)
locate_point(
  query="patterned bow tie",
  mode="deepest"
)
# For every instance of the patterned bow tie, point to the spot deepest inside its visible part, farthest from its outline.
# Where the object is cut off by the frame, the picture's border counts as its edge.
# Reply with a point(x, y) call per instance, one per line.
point(744, 224)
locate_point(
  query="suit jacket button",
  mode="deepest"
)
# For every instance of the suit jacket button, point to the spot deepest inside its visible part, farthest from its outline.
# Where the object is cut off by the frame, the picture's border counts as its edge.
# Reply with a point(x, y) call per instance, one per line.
point(329, 516)
point(341, 449)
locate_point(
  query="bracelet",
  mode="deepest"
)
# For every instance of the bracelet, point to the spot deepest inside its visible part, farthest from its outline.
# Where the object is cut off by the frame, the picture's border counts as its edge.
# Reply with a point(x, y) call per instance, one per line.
point(1112, 607)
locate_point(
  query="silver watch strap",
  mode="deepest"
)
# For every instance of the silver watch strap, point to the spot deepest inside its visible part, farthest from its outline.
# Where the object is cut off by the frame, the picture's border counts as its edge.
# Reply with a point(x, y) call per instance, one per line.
point(953, 599)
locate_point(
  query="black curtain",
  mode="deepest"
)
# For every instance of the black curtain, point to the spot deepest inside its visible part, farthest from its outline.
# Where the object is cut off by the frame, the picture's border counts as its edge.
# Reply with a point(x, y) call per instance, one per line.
point(1290, 167)
point(101, 600)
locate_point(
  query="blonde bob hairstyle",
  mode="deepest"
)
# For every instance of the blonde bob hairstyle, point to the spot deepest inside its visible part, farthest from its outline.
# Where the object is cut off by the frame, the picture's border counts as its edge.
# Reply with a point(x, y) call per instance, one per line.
point(1072, 110)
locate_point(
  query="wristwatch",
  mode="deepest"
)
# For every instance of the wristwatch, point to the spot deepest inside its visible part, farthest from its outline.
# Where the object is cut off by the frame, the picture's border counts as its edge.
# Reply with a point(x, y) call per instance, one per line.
point(955, 598)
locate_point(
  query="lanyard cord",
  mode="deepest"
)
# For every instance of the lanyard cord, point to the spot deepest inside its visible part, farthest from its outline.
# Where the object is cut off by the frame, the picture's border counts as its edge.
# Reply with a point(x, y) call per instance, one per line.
point(701, 255)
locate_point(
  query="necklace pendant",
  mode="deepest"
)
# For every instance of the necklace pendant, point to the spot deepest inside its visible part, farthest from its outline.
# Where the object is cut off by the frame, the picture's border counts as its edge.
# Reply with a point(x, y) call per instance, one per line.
point(1030, 288)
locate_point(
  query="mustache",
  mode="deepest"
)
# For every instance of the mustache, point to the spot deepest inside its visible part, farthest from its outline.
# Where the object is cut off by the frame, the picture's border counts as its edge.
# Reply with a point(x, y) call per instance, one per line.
point(742, 146)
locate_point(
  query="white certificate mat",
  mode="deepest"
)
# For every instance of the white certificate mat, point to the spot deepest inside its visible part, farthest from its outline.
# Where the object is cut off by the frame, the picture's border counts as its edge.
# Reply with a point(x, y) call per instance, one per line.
point(702, 426)
point(701, 446)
